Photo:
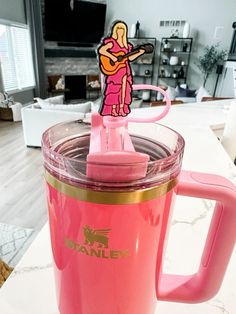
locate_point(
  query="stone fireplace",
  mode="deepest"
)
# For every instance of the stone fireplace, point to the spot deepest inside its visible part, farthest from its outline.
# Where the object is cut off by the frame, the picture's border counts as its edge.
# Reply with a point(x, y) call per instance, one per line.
point(71, 66)
point(76, 72)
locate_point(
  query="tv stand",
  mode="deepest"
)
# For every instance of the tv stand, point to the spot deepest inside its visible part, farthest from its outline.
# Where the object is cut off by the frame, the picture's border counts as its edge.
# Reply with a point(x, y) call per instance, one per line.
point(82, 45)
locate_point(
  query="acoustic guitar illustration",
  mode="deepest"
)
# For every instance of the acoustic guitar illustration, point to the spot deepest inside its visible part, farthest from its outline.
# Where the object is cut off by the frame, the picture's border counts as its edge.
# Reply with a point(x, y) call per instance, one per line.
point(109, 67)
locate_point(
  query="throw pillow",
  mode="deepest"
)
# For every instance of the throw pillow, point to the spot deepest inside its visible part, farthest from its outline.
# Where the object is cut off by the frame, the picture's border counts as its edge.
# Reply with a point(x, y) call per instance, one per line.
point(83, 107)
point(171, 92)
point(36, 106)
point(56, 100)
point(202, 92)
point(191, 92)
point(41, 102)
point(136, 103)
point(95, 105)
point(185, 92)
point(183, 85)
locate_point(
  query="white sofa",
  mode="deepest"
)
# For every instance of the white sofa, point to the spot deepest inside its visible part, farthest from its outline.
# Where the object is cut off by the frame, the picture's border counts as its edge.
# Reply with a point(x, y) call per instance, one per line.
point(201, 114)
point(38, 117)
point(36, 120)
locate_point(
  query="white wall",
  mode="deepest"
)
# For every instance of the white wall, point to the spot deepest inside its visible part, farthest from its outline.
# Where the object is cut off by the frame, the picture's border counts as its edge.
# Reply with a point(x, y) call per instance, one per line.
point(203, 16)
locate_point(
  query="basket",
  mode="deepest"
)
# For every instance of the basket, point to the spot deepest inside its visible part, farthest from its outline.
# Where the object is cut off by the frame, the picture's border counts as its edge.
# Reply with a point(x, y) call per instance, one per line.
point(6, 114)
point(5, 271)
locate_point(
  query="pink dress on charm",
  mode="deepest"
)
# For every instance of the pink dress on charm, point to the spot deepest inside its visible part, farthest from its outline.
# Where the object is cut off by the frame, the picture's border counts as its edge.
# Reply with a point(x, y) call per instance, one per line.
point(113, 83)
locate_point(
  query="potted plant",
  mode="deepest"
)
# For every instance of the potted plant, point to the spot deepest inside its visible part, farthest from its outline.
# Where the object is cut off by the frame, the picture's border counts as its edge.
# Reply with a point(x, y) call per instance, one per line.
point(211, 57)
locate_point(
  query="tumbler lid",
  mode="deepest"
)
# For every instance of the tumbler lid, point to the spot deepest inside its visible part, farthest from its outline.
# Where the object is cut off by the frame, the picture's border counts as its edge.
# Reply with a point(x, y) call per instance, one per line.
point(66, 148)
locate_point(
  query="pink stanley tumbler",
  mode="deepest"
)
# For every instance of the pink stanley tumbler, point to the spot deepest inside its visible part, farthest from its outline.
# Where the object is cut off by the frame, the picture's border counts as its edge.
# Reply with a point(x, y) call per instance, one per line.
point(108, 230)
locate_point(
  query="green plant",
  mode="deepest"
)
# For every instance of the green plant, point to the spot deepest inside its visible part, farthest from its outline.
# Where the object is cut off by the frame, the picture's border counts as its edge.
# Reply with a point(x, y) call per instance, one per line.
point(208, 61)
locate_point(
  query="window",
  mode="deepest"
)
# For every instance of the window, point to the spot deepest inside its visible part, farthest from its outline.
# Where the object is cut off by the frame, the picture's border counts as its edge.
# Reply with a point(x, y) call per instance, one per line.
point(16, 58)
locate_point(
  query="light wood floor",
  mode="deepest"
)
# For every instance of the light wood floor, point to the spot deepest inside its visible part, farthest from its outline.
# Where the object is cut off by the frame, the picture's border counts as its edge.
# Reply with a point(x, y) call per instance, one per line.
point(22, 195)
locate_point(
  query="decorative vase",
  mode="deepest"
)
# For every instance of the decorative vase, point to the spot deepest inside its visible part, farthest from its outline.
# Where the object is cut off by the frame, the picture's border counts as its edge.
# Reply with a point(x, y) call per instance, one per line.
point(175, 74)
point(162, 73)
point(181, 72)
point(164, 61)
point(185, 47)
point(166, 45)
point(174, 60)
point(186, 30)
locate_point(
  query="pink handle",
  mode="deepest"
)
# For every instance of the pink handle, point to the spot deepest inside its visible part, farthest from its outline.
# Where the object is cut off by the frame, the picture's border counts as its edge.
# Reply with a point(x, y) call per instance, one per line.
point(219, 245)
point(155, 118)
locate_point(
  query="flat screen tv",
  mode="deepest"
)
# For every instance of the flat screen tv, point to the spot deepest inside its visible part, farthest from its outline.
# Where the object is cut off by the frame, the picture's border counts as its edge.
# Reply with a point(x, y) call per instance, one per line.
point(74, 22)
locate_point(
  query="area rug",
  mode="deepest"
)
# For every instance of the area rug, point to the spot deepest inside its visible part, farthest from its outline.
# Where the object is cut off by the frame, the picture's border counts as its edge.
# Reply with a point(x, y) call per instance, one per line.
point(14, 241)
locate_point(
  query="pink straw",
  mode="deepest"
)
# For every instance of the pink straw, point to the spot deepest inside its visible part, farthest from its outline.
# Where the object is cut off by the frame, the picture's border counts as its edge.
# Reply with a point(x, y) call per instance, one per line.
point(155, 118)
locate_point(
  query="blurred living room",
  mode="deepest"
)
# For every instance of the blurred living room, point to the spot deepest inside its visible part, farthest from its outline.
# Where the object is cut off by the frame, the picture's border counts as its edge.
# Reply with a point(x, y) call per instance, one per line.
point(49, 73)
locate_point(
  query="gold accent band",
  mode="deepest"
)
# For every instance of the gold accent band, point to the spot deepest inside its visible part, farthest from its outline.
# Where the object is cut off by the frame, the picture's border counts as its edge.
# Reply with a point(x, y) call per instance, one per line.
point(108, 197)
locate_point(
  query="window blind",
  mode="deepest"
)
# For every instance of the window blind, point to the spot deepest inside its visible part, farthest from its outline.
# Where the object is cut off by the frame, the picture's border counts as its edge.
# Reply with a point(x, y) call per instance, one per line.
point(16, 58)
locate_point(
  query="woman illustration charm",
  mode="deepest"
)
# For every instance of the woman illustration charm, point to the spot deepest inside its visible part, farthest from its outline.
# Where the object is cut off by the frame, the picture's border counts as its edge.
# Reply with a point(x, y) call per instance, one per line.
point(115, 53)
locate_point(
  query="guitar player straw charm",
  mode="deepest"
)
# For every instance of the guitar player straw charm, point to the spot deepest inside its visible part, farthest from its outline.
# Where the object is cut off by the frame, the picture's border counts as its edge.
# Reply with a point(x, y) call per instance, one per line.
point(115, 54)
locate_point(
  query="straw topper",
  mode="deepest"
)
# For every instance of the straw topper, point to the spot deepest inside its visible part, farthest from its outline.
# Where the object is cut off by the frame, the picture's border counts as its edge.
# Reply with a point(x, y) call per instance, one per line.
point(115, 54)
point(110, 142)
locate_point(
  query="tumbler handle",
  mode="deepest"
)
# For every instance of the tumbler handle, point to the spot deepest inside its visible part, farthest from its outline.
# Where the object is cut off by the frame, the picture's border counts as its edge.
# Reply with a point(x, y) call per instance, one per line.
point(219, 245)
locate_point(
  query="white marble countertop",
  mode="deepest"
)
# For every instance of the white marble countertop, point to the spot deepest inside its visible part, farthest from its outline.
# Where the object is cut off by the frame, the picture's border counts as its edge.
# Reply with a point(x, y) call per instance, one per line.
point(30, 289)
point(212, 113)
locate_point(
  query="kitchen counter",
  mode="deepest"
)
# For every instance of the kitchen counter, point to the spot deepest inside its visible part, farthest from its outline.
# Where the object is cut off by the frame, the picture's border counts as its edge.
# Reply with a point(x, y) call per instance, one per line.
point(211, 114)
point(30, 288)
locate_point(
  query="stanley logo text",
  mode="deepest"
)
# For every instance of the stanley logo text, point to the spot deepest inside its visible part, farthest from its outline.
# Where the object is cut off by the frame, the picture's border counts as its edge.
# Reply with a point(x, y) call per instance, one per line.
point(96, 244)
